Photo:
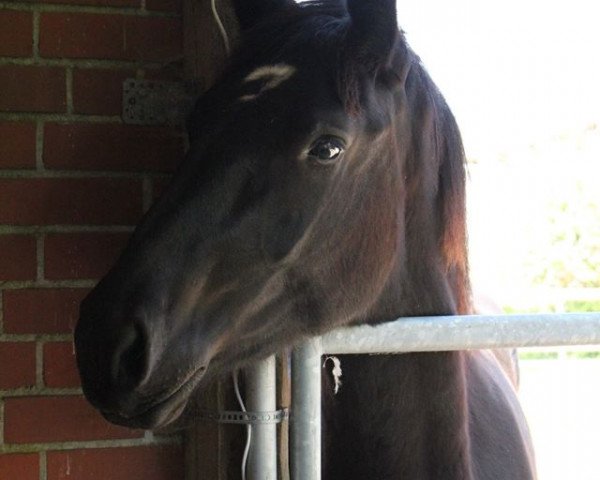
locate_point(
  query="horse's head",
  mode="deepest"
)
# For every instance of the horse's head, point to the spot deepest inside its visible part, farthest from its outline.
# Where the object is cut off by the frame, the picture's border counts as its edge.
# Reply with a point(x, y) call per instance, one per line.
point(286, 219)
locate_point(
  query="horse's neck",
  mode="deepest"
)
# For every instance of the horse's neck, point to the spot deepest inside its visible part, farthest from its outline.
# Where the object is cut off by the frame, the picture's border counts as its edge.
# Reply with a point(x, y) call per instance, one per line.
point(417, 286)
point(403, 414)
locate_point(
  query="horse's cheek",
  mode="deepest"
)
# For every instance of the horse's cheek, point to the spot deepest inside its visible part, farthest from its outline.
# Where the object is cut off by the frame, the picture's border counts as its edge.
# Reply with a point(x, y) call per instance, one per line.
point(280, 238)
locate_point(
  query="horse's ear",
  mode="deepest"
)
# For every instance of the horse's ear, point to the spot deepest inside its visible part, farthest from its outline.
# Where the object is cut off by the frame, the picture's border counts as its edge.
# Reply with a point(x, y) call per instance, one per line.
point(373, 32)
point(250, 12)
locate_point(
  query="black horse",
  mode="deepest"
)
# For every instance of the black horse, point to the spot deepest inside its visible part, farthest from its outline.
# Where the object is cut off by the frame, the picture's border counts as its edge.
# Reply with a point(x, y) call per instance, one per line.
point(324, 186)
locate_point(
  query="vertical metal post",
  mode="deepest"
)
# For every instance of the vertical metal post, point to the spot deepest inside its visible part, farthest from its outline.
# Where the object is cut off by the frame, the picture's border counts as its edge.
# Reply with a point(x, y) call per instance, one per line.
point(306, 411)
point(261, 396)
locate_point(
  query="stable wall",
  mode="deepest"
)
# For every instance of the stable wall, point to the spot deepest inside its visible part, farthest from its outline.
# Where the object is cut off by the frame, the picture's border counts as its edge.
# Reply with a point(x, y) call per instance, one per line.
point(73, 181)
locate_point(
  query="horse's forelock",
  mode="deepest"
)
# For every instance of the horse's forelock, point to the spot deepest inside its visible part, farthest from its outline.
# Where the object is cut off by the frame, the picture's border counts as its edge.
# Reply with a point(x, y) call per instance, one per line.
point(324, 25)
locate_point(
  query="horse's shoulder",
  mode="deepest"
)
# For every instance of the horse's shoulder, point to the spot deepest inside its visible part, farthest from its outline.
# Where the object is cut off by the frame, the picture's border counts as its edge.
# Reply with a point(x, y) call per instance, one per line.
point(496, 421)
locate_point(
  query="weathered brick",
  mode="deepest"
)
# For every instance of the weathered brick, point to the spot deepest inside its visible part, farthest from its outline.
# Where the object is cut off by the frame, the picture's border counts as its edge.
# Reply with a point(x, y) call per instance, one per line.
point(17, 257)
point(42, 310)
point(57, 419)
point(154, 38)
point(50, 201)
point(159, 185)
point(17, 145)
point(32, 89)
point(17, 364)
point(81, 255)
point(164, 5)
point(125, 37)
point(19, 466)
point(111, 147)
point(102, 3)
point(170, 72)
point(99, 91)
point(60, 368)
point(16, 33)
point(148, 463)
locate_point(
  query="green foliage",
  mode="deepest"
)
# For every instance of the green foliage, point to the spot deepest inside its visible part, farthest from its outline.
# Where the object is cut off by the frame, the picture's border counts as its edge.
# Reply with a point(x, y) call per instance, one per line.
point(583, 355)
point(538, 355)
point(580, 355)
point(564, 234)
point(509, 309)
point(572, 258)
point(582, 306)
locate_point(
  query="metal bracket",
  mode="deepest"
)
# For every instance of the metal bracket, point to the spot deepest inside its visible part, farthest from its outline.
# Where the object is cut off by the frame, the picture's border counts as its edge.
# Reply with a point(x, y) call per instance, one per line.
point(149, 102)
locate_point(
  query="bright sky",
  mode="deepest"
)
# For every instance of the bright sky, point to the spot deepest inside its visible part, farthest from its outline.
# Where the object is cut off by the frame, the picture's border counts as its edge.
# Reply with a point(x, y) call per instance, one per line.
point(518, 75)
point(512, 70)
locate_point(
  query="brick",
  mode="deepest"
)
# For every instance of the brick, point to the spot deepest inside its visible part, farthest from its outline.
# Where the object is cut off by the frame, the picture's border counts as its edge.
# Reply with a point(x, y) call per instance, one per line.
point(111, 147)
point(60, 368)
point(132, 463)
point(57, 419)
point(103, 3)
point(17, 364)
point(17, 257)
point(99, 91)
point(42, 310)
point(32, 89)
point(124, 37)
point(164, 5)
point(16, 33)
point(158, 187)
point(52, 201)
point(154, 38)
point(19, 466)
point(81, 255)
point(17, 145)
point(168, 73)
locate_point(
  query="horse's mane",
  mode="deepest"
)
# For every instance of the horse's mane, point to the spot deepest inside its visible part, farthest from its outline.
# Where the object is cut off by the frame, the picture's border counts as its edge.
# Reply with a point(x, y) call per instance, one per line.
point(451, 202)
point(327, 22)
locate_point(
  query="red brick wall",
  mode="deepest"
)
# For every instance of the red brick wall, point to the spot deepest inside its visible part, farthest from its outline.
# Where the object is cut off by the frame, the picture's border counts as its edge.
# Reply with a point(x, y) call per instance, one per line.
point(73, 181)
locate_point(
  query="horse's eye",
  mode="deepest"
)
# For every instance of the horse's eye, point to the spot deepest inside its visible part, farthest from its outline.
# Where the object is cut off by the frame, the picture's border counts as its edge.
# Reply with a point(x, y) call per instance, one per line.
point(327, 149)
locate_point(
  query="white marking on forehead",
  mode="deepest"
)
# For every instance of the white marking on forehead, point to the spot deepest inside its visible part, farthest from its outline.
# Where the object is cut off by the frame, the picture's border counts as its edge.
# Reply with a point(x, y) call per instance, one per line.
point(273, 76)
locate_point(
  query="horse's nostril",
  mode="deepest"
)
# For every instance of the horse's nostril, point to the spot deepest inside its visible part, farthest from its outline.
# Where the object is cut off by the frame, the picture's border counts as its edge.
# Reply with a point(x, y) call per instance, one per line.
point(130, 361)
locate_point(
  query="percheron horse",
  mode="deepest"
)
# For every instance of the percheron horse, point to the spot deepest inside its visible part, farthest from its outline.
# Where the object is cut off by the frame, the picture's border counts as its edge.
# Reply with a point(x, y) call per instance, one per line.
point(324, 186)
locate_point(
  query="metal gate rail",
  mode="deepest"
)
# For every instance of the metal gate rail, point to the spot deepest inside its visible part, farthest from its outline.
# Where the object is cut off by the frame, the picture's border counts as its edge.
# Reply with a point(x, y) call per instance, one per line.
point(417, 334)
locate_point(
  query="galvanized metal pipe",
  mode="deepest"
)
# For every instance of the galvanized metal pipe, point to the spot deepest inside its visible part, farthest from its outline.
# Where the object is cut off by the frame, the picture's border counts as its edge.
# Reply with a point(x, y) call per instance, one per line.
point(261, 396)
point(305, 438)
point(434, 334)
point(416, 334)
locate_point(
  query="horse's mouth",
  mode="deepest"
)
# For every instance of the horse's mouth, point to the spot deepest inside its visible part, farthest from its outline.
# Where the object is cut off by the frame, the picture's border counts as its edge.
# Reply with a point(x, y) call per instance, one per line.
point(158, 413)
point(158, 416)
